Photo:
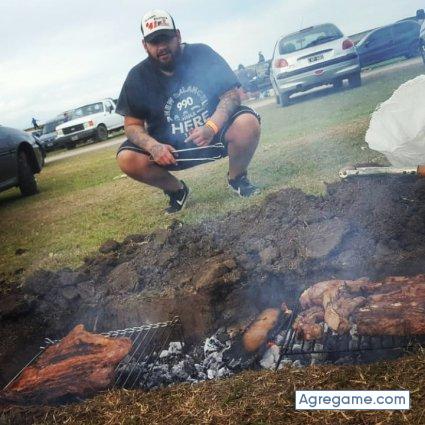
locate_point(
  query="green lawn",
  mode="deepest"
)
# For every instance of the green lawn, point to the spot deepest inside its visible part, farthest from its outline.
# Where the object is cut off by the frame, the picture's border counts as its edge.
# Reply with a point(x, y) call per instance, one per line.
point(82, 203)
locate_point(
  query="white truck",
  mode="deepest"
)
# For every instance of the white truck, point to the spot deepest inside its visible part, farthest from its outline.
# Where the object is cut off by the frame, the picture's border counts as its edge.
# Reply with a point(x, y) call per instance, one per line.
point(92, 121)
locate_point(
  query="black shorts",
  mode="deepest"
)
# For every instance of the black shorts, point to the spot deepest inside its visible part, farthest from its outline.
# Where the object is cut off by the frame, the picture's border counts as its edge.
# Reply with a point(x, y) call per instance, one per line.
point(219, 152)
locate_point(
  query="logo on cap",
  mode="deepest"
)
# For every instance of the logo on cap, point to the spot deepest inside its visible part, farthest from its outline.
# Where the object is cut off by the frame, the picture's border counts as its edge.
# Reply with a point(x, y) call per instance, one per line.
point(157, 20)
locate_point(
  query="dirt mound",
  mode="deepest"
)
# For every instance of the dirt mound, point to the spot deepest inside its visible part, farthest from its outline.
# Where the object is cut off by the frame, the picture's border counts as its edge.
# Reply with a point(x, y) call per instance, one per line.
point(223, 272)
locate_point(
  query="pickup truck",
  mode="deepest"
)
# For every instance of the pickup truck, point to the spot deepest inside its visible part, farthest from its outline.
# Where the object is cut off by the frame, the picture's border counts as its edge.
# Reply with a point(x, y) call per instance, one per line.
point(93, 121)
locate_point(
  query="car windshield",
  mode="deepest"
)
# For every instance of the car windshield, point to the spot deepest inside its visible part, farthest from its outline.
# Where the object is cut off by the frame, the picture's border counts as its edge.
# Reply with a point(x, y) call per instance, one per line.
point(308, 38)
point(50, 126)
point(85, 110)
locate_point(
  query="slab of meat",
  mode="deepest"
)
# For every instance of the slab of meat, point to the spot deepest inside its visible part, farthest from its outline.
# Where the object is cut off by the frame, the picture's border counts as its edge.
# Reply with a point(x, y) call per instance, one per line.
point(392, 319)
point(392, 306)
point(81, 364)
point(309, 324)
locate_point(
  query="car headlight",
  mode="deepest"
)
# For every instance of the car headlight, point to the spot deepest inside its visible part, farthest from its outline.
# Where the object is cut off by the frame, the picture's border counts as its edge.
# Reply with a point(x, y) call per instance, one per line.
point(88, 124)
point(59, 133)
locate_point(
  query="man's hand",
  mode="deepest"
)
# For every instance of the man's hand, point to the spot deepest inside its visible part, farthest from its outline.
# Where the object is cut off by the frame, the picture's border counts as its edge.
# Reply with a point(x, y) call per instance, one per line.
point(163, 154)
point(201, 136)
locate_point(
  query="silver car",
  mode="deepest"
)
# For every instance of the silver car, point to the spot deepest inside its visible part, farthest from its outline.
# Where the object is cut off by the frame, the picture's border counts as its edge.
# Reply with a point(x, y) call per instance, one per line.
point(313, 57)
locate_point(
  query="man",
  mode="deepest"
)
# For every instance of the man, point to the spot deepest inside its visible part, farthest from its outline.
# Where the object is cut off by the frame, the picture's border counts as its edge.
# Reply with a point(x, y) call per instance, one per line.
point(183, 96)
point(35, 124)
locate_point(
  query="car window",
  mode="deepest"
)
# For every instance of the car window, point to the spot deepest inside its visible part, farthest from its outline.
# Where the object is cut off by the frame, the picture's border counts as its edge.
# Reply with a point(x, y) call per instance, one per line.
point(405, 27)
point(308, 38)
point(380, 36)
point(50, 126)
point(85, 110)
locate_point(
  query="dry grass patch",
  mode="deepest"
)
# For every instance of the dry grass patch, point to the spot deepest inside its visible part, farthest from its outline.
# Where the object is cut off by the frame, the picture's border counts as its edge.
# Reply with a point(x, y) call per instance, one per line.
point(248, 398)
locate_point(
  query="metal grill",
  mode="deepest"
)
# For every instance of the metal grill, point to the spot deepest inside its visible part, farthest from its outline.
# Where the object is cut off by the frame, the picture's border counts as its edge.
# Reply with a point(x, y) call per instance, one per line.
point(69, 130)
point(334, 344)
point(148, 342)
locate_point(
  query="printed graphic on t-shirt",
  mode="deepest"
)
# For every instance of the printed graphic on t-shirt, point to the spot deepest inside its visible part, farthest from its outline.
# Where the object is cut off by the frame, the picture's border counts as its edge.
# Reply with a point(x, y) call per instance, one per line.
point(186, 109)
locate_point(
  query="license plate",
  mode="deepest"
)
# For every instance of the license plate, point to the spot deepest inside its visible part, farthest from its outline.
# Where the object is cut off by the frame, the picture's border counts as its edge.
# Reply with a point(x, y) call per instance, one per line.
point(315, 58)
point(74, 138)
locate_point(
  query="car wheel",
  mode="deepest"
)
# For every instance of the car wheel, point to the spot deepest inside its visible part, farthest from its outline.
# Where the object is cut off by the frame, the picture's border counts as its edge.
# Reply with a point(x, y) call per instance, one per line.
point(101, 133)
point(27, 182)
point(278, 100)
point(355, 80)
point(284, 99)
point(338, 84)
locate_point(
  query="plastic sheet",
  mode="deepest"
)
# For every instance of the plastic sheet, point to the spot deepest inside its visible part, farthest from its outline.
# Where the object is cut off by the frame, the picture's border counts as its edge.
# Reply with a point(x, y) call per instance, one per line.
point(397, 127)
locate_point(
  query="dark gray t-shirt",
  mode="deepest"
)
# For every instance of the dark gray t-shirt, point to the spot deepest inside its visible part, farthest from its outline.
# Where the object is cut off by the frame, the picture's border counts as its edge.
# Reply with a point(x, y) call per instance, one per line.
point(172, 106)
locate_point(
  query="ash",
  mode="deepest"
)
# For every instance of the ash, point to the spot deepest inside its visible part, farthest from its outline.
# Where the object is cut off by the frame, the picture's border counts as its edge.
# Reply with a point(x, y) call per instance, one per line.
point(217, 357)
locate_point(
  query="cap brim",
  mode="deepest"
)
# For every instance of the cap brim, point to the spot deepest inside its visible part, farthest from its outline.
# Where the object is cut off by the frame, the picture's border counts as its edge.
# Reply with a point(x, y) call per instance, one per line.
point(149, 38)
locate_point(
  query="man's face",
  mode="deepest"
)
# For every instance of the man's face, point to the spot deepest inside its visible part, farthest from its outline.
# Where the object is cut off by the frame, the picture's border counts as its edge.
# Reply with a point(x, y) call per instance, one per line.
point(164, 50)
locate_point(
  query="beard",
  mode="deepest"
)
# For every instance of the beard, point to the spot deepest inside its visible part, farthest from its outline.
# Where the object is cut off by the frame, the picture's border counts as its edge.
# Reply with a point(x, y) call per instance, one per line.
point(168, 65)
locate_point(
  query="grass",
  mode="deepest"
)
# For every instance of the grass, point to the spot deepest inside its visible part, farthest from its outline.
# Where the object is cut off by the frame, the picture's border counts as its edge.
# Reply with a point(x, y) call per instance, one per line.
point(82, 203)
point(247, 398)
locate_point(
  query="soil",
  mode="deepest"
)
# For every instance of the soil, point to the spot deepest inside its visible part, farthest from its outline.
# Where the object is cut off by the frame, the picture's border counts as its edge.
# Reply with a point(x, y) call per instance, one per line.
point(223, 272)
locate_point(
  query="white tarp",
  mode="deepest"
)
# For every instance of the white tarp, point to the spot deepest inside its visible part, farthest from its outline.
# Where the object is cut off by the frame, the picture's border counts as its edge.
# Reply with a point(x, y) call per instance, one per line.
point(397, 127)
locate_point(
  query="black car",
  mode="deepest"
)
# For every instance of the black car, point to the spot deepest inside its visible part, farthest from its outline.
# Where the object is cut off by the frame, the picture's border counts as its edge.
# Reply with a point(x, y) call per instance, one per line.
point(49, 136)
point(391, 41)
point(21, 156)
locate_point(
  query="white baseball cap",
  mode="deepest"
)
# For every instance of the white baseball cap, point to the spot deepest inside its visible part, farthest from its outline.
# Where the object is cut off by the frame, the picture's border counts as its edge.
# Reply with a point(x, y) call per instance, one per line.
point(156, 22)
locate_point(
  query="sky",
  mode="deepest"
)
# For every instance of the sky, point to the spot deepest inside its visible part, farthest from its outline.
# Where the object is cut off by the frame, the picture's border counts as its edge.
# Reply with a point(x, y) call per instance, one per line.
point(57, 55)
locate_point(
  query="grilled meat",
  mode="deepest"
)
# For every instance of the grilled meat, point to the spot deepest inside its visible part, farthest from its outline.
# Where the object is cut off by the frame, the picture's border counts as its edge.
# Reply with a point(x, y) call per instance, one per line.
point(80, 365)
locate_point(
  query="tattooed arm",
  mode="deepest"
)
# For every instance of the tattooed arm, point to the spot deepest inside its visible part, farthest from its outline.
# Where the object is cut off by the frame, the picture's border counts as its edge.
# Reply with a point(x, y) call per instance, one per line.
point(137, 134)
point(229, 102)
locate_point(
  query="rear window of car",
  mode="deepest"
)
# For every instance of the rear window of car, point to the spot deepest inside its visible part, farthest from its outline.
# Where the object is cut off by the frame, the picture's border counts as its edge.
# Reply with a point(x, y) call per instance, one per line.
point(405, 27)
point(308, 38)
point(50, 126)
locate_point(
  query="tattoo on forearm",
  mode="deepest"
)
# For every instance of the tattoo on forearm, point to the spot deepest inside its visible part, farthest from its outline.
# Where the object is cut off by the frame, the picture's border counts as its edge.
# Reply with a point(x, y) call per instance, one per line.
point(138, 136)
point(229, 102)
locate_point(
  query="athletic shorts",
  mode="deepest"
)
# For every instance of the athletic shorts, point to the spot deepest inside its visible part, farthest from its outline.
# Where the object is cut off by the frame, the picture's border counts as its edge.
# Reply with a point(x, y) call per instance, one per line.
point(210, 153)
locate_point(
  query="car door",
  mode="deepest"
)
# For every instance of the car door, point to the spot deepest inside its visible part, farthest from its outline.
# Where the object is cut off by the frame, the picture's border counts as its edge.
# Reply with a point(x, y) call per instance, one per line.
point(405, 34)
point(377, 47)
point(8, 160)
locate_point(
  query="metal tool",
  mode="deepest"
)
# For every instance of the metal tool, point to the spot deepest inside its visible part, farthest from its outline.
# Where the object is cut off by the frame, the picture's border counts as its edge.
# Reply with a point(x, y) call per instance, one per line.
point(211, 158)
point(370, 171)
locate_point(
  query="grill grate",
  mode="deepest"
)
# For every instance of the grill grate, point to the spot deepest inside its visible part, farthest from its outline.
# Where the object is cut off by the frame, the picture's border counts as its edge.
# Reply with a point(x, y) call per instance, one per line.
point(335, 344)
point(148, 342)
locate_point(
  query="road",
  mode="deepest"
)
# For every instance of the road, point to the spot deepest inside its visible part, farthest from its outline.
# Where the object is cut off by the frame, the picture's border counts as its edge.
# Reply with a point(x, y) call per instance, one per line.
point(255, 104)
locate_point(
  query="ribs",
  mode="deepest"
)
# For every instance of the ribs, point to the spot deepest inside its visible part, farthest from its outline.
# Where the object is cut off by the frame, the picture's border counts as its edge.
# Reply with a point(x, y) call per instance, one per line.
point(80, 365)
point(393, 306)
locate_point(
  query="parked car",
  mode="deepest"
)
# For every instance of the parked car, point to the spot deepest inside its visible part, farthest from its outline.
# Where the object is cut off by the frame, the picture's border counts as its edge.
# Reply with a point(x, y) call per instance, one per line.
point(49, 136)
point(389, 42)
point(21, 157)
point(92, 121)
point(313, 57)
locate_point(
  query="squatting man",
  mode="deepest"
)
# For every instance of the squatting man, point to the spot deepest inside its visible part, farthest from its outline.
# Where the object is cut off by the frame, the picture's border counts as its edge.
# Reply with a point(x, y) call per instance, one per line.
point(183, 96)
